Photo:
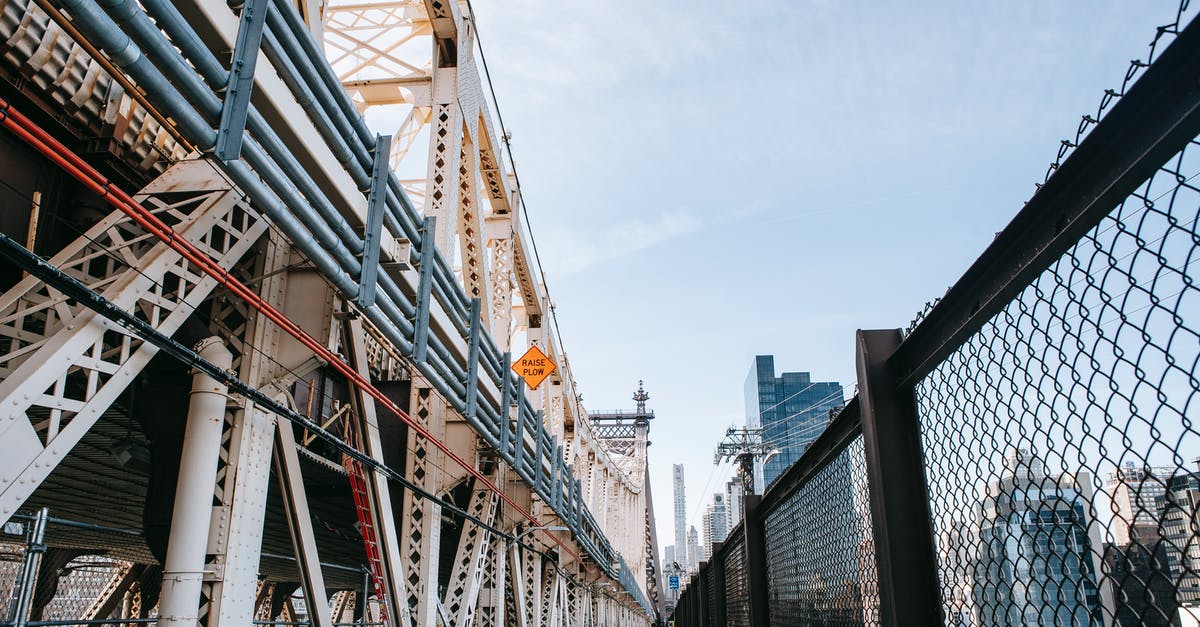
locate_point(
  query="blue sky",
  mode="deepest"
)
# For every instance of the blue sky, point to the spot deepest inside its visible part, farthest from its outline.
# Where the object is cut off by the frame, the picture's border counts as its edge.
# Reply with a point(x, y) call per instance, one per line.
point(708, 181)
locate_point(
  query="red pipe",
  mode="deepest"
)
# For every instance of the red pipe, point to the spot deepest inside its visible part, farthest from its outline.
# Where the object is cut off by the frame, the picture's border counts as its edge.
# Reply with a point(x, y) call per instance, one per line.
point(55, 151)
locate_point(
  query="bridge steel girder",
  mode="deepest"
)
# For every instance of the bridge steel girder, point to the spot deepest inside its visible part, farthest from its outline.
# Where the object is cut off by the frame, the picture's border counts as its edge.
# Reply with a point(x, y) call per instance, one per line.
point(441, 83)
point(240, 492)
point(79, 345)
point(421, 520)
point(378, 491)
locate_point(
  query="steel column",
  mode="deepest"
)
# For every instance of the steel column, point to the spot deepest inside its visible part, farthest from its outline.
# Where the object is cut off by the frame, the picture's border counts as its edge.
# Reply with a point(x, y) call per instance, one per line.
point(183, 568)
point(904, 545)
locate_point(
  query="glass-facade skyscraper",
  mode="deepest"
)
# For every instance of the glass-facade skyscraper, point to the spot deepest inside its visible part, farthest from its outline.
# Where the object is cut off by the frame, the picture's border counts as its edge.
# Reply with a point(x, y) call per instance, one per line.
point(791, 409)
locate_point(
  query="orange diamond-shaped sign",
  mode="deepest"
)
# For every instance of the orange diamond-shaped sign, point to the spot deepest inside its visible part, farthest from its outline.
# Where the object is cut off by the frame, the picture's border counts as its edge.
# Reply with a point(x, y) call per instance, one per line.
point(534, 366)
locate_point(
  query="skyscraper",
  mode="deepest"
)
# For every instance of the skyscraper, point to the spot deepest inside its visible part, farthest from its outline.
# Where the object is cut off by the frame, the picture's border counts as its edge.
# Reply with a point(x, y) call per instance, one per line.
point(791, 409)
point(716, 523)
point(1040, 548)
point(733, 501)
point(1137, 495)
point(1137, 562)
point(680, 514)
point(1180, 520)
point(693, 549)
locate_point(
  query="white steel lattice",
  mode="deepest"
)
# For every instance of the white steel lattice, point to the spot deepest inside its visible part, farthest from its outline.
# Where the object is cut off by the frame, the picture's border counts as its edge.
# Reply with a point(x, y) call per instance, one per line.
point(63, 364)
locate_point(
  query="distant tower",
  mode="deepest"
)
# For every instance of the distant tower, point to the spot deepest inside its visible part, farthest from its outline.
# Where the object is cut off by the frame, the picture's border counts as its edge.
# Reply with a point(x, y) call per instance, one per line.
point(693, 549)
point(680, 514)
point(641, 397)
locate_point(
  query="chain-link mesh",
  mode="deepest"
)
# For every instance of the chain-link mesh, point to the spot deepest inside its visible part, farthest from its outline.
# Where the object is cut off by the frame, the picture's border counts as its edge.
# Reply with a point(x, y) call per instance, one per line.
point(737, 585)
point(1059, 440)
point(820, 552)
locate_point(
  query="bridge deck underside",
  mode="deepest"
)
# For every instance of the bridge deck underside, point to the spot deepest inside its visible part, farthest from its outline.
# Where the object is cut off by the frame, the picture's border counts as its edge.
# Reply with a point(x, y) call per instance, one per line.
point(92, 486)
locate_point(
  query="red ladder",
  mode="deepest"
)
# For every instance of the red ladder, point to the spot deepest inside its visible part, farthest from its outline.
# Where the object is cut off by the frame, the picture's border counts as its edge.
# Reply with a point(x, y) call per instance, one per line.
point(366, 524)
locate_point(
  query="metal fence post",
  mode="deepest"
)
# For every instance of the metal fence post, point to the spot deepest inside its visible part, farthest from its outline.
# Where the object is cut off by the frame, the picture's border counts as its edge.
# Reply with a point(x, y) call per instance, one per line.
point(755, 546)
point(717, 564)
point(904, 548)
point(34, 548)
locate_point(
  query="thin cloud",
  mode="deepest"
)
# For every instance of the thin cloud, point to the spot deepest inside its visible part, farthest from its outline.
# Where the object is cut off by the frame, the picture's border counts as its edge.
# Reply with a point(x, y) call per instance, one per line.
point(571, 250)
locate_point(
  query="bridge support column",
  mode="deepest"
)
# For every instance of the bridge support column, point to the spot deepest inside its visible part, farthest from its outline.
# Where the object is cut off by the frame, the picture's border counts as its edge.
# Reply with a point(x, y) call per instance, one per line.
point(422, 519)
point(183, 569)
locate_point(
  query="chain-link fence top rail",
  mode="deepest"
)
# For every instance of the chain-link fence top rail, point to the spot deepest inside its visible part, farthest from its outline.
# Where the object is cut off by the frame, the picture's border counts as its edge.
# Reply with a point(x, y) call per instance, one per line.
point(820, 553)
point(1061, 453)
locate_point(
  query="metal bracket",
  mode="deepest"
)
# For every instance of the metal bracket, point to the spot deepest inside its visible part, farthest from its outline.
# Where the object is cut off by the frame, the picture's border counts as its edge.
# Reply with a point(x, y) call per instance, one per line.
point(519, 430)
point(578, 504)
point(556, 476)
point(537, 455)
point(506, 400)
point(472, 395)
point(232, 128)
point(373, 237)
point(424, 291)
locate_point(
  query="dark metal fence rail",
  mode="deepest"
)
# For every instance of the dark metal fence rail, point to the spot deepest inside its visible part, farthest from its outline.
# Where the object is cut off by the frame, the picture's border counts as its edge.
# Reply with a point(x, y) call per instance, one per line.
point(1028, 454)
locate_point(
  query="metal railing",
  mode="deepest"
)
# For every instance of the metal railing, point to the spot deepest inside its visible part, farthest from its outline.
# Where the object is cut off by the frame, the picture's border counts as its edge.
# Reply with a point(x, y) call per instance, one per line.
point(1025, 454)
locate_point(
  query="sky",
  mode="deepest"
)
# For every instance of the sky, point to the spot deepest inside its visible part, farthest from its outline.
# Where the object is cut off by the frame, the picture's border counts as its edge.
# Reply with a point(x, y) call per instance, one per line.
point(707, 181)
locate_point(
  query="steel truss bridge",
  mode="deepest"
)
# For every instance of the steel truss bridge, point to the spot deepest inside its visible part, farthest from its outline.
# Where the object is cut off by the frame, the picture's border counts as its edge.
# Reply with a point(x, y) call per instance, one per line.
point(255, 356)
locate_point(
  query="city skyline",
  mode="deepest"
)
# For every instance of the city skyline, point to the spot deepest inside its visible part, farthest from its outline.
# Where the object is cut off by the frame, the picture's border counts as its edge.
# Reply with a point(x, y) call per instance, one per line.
point(1058, 61)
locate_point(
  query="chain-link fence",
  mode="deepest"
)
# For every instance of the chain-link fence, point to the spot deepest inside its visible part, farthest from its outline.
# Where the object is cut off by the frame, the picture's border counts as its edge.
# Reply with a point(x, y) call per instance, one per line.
point(1028, 452)
point(820, 555)
point(1059, 439)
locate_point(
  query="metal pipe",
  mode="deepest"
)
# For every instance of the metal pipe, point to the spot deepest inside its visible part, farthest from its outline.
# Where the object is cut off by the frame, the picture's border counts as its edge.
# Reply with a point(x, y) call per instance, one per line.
point(183, 568)
point(329, 231)
point(99, 28)
point(94, 24)
point(34, 548)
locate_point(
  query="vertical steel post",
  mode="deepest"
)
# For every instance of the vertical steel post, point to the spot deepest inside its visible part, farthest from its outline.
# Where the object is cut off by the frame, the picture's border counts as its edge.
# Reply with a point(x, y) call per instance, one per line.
point(717, 564)
point(904, 547)
point(34, 548)
point(755, 546)
point(187, 547)
point(365, 594)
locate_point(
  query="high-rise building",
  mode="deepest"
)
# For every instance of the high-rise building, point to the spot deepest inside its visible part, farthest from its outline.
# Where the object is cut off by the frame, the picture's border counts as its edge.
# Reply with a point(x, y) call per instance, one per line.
point(1152, 561)
point(1039, 548)
point(791, 409)
point(668, 558)
point(680, 512)
point(716, 523)
point(693, 549)
point(1140, 575)
point(733, 501)
point(1137, 495)
point(1180, 522)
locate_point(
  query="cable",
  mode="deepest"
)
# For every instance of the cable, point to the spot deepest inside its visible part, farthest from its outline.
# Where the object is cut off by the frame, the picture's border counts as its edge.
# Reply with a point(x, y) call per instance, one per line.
point(113, 255)
point(794, 395)
point(82, 171)
point(839, 394)
point(70, 286)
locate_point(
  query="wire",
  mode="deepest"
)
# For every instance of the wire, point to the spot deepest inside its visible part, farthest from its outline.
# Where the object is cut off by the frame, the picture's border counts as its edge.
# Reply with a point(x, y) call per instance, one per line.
point(86, 174)
point(805, 426)
point(512, 164)
point(794, 395)
point(115, 256)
